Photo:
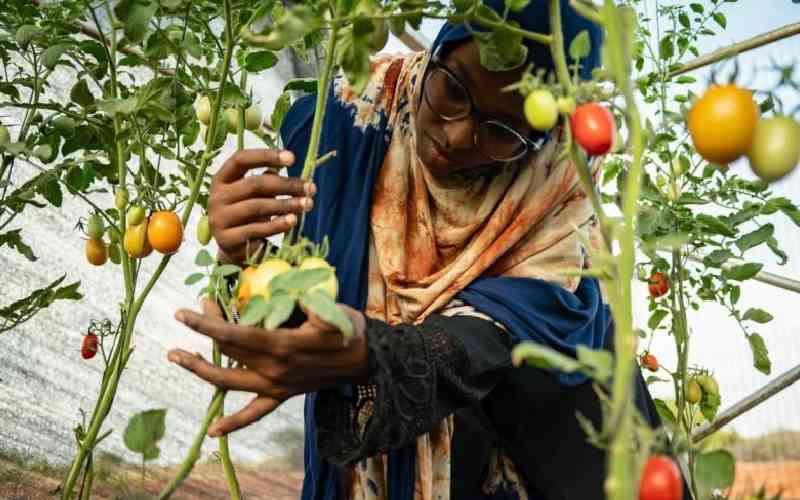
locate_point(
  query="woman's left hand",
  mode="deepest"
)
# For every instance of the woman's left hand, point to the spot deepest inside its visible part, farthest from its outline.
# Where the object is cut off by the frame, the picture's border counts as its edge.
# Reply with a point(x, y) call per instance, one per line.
point(275, 365)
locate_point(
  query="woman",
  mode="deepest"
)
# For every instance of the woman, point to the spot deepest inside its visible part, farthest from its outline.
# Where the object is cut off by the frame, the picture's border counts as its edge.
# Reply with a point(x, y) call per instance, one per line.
point(451, 226)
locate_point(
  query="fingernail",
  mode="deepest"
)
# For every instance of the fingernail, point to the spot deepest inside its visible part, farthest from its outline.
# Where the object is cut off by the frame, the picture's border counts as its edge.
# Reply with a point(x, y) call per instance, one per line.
point(173, 357)
point(286, 157)
point(180, 316)
point(310, 188)
point(291, 219)
point(308, 204)
point(212, 432)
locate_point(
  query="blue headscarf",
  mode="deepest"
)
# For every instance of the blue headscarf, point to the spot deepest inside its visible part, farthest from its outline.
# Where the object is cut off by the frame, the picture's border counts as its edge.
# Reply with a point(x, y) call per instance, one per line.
point(531, 309)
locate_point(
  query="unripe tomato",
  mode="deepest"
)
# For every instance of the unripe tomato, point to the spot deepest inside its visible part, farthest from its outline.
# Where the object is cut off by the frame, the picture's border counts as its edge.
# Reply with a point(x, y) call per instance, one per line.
point(5, 137)
point(165, 232)
point(658, 284)
point(202, 109)
point(89, 346)
point(593, 128)
point(96, 252)
point(114, 254)
point(661, 480)
point(260, 278)
point(252, 117)
point(135, 241)
point(121, 199)
point(650, 362)
point(232, 119)
point(541, 109)
point(203, 230)
point(693, 392)
point(722, 123)
point(95, 227)
point(135, 216)
point(708, 384)
point(566, 105)
point(329, 286)
point(775, 150)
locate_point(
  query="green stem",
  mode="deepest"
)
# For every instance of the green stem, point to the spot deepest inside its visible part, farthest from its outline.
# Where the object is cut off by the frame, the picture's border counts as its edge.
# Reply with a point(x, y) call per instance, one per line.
point(194, 451)
point(557, 46)
point(224, 450)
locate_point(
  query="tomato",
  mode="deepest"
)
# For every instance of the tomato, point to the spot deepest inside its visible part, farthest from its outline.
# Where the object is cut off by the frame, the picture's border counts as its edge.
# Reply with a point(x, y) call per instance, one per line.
point(121, 199)
point(165, 232)
point(259, 279)
point(708, 384)
point(722, 123)
point(96, 252)
point(661, 480)
point(243, 294)
point(252, 117)
point(44, 152)
point(232, 118)
point(89, 346)
point(541, 109)
point(135, 216)
point(5, 137)
point(775, 150)
point(565, 105)
point(693, 392)
point(593, 128)
point(95, 227)
point(135, 241)
point(650, 362)
point(202, 109)
point(203, 230)
point(114, 253)
point(658, 284)
point(329, 286)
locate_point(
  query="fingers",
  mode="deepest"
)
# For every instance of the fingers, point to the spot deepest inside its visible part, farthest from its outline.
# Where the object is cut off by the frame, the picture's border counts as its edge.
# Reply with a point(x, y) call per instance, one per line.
point(232, 379)
point(211, 308)
point(242, 161)
point(234, 240)
point(262, 209)
point(254, 411)
point(243, 337)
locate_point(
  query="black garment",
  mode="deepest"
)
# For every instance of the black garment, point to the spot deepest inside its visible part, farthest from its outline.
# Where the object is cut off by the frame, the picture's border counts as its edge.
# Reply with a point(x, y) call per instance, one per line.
point(462, 366)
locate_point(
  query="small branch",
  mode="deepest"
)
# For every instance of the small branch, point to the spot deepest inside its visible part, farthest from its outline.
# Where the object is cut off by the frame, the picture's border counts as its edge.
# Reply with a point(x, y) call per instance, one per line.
point(738, 48)
point(324, 158)
point(773, 279)
point(586, 11)
point(748, 403)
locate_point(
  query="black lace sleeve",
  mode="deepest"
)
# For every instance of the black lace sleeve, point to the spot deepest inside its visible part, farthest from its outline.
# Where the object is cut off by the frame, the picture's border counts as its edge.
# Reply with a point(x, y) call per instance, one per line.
point(420, 374)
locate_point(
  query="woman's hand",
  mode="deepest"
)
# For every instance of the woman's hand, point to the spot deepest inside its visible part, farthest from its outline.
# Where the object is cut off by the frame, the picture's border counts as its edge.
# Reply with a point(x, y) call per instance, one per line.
point(275, 365)
point(246, 209)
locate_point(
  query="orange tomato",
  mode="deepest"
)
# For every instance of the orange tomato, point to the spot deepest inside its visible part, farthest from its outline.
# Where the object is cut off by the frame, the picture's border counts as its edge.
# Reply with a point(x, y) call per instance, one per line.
point(165, 232)
point(722, 123)
point(96, 252)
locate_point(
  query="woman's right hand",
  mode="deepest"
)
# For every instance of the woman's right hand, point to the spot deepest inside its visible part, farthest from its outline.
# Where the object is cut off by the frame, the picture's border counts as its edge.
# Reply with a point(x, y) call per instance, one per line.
point(242, 209)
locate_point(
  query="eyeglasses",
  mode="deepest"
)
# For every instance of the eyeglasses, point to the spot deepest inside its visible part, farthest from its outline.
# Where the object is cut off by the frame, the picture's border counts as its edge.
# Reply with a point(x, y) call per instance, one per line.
point(450, 100)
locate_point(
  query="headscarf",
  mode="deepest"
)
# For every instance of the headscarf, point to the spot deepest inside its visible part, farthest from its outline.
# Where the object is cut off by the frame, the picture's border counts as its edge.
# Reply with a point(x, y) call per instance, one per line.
point(406, 243)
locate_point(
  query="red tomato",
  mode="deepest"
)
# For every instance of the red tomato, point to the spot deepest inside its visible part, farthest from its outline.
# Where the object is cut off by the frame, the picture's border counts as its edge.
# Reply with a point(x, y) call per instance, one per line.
point(650, 362)
point(593, 128)
point(661, 480)
point(89, 346)
point(658, 285)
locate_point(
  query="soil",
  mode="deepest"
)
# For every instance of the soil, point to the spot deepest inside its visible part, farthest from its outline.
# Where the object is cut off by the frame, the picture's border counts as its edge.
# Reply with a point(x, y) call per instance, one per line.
point(776, 477)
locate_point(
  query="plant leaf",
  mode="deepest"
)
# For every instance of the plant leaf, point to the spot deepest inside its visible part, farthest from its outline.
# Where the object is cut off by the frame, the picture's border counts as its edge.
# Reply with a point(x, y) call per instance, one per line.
point(757, 315)
point(321, 304)
point(281, 306)
point(714, 470)
point(255, 311)
point(761, 360)
point(144, 431)
point(742, 272)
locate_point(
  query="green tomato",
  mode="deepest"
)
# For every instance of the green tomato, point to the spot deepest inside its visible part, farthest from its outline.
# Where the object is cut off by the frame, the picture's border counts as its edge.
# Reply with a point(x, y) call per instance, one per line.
point(202, 109)
point(566, 105)
point(775, 150)
point(5, 137)
point(114, 254)
point(232, 119)
point(44, 152)
point(541, 109)
point(203, 231)
point(121, 199)
point(693, 392)
point(708, 384)
point(135, 216)
point(252, 117)
point(95, 227)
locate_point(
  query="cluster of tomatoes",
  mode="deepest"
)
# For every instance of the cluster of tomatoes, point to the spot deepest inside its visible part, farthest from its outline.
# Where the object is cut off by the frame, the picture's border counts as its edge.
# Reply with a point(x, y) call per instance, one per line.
point(252, 115)
point(725, 125)
point(592, 124)
point(161, 231)
point(254, 280)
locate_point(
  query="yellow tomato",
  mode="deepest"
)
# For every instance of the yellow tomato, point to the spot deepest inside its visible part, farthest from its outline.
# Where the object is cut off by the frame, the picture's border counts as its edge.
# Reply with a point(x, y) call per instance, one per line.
point(135, 241)
point(329, 286)
point(260, 278)
point(722, 123)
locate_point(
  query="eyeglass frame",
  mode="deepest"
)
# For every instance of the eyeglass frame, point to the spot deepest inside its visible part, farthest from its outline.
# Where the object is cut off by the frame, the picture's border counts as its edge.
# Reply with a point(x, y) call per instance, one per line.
point(472, 111)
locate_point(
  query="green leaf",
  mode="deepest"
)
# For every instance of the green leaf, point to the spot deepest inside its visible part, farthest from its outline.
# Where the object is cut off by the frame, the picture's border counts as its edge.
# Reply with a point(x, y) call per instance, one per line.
point(321, 304)
point(696, 7)
point(755, 238)
point(714, 470)
point(742, 272)
point(136, 14)
point(255, 311)
point(580, 46)
point(717, 258)
point(300, 279)
point(793, 213)
point(25, 34)
point(665, 412)
point(308, 85)
point(227, 270)
point(52, 54)
point(122, 106)
point(281, 305)
point(599, 361)
point(719, 18)
point(13, 239)
point(501, 50)
point(760, 352)
point(666, 48)
point(353, 57)
point(260, 61)
point(656, 318)
point(772, 243)
point(193, 278)
point(203, 259)
point(716, 225)
point(757, 315)
point(144, 431)
point(519, 5)
point(543, 357)
point(80, 94)
point(281, 108)
point(735, 293)
point(683, 18)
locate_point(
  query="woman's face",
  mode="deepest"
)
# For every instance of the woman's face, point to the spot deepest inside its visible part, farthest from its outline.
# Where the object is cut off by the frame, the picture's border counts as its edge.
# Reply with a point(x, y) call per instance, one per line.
point(448, 146)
